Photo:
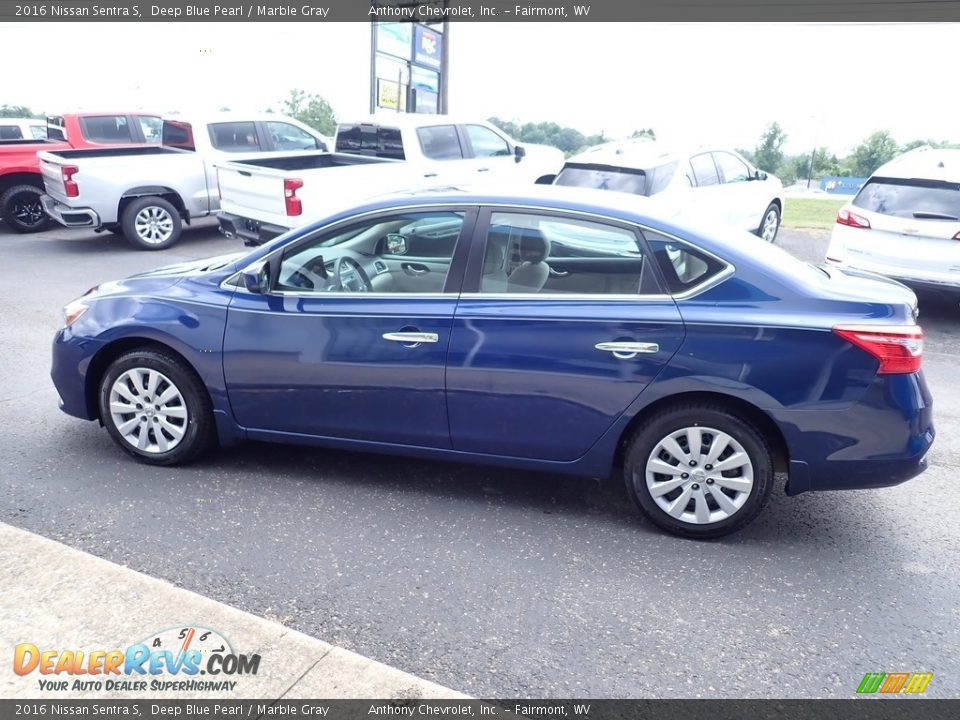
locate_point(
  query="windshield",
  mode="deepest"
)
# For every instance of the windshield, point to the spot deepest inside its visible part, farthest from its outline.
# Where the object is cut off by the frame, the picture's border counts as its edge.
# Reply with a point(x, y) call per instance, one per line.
point(605, 177)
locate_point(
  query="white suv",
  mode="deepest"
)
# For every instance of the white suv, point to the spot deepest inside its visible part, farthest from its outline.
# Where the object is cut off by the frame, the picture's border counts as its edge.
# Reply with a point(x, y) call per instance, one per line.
point(905, 222)
point(705, 181)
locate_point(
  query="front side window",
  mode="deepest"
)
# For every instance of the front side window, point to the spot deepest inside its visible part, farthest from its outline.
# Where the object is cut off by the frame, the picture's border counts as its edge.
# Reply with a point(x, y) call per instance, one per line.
point(486, 143)
point(635, 181)
point(683, 267)
point(107, 129)
point(234, 137)
point(704, 170)
point(731, 167)
point(440, 142)
point(408, 253)
point(289, 137)
point(914, 198)
point(530, 253)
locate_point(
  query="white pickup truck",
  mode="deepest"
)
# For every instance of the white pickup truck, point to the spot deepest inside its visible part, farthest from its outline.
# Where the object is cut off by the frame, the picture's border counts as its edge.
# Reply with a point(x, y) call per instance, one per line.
point(265, 197)
point(147, 193)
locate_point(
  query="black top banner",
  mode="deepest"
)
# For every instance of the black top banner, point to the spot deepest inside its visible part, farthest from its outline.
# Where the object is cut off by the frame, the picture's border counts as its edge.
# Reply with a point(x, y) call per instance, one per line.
point(482, 11)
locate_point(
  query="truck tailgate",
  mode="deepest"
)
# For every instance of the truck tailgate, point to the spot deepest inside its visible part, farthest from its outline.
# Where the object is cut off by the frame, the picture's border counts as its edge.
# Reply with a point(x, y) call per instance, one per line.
point(52, 177)
point(251, 192)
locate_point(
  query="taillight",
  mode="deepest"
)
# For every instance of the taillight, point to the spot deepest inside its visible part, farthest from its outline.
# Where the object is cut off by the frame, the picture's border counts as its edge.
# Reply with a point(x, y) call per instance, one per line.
point(898, 348)
point(845, 217)
point(70, 187)
point(290, 187)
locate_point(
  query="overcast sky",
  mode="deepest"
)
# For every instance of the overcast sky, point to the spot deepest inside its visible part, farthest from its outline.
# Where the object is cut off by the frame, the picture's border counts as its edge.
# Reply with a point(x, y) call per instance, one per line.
point(826, 84)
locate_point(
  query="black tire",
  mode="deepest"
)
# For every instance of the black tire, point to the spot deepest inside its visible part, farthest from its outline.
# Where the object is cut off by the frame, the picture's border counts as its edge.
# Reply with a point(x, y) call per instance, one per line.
point(773, 210)
point(21, 210)
point(706, 417)
point(198, 425)
point(164, 209)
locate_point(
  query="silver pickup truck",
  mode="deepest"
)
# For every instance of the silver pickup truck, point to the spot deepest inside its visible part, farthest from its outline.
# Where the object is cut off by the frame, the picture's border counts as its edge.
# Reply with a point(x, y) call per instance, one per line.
point(147, 193)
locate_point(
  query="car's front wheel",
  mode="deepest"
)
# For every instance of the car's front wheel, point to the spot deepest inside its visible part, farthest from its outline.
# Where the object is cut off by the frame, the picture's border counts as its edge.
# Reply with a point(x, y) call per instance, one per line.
point(699, 471)
point(770, 225)
point(155, 407)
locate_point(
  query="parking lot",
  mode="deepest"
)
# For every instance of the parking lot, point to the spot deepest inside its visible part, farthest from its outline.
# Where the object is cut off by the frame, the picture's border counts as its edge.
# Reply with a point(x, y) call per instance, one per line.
point(492, 582)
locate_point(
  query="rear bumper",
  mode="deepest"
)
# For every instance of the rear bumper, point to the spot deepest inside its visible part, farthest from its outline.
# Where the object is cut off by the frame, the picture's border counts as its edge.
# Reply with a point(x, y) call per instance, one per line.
point(69, 216)
point(252, 232)
point(880, 441)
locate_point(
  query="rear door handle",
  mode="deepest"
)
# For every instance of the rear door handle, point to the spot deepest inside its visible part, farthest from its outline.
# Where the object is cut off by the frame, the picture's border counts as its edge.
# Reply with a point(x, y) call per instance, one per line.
point(411, 338)
point(429, 174)
point(628, 350)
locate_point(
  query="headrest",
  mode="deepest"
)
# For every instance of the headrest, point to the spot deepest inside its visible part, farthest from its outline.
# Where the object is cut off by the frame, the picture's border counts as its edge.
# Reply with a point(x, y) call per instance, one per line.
point(534, 247)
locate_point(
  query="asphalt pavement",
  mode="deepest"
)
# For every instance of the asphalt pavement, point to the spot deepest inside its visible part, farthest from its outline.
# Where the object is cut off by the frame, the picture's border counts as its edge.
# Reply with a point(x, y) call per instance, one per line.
point(494, 582)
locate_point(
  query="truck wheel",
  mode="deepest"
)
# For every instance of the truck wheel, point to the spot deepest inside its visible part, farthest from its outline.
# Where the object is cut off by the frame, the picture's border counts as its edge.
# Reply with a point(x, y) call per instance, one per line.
point(20, 208)
point(151, 223)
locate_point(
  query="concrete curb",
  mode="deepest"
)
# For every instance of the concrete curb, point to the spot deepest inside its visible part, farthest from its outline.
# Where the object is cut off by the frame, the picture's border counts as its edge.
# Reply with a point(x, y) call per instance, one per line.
point(59, 598)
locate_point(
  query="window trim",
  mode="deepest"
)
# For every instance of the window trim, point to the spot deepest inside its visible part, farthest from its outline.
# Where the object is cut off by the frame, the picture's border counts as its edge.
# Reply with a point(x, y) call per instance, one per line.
point(464, 262)
point(457, 261)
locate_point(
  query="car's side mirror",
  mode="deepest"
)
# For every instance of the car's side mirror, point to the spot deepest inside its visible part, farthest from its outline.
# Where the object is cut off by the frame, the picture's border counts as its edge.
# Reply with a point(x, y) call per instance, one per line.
point(759, 175)
point(545, 180)
point(519, 153)
point(256, 278)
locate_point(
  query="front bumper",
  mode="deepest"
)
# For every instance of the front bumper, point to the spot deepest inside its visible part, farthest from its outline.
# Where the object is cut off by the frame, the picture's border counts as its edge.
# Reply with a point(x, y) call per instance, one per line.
point(252, 232)
point(69, 216)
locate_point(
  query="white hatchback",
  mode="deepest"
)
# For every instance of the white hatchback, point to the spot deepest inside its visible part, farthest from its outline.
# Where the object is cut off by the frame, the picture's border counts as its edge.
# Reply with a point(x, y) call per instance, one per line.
point(713, 182)
point(905, 222)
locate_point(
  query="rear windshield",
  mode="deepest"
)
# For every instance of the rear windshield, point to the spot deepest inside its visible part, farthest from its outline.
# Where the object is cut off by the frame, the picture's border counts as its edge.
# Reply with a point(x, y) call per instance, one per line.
point(178, 134)
point(605, 177)
point(926, 199)
point(374, 140)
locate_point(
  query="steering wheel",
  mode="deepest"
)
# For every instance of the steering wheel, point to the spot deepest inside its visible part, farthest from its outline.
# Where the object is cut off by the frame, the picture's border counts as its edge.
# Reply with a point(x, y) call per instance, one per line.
point(350, 277)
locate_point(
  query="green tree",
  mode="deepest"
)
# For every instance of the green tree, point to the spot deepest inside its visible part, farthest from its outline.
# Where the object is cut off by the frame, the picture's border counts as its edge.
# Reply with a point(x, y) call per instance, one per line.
point(18, 111)
point(768, 154)
point(310, 109)
point(645, 133)
point(873, 152)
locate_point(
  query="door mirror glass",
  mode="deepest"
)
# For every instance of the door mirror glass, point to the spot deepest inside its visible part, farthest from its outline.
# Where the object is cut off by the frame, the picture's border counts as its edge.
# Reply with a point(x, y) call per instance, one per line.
point(519, 152)
point(396, 244)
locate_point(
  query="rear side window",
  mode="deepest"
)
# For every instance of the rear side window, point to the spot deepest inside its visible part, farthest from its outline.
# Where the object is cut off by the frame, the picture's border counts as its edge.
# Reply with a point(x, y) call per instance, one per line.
point(107, 129)
point(39, 132)
point(178, 134)
point(704, 170)
point(234, 136)
point(376, 140)
point(922, 199)
point(440, 142)
point(10, 132)
point(628, 180)
point(683, 267)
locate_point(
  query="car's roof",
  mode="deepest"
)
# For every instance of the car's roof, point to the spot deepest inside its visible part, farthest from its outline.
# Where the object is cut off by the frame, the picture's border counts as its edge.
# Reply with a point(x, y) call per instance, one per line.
point(638, 153)
point(926, 162)
point(405, 120)
point(232, 116)
point(38, 121)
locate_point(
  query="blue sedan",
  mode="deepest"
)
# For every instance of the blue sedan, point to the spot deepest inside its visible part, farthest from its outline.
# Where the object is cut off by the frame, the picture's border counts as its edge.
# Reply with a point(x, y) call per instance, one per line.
point(562, 331)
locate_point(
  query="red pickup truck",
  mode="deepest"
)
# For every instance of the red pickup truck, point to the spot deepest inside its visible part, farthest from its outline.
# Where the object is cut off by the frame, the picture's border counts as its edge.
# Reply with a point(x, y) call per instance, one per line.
point(21, 184)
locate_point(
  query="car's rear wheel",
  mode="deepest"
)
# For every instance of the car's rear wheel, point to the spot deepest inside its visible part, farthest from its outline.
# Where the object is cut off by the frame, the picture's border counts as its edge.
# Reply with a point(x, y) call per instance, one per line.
point(20, 208)
point(770, 224)
point(699, 471)
point(155, 407)
point(151, 223)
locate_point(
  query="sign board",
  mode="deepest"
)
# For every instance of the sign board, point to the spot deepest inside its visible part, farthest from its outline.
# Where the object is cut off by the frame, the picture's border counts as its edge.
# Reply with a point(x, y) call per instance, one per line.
point(395, 39)
point(428, 46)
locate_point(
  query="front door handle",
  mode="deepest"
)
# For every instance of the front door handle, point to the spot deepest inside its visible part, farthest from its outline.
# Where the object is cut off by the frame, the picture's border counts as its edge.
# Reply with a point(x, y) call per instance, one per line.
point(628, 350)
point(411, 338)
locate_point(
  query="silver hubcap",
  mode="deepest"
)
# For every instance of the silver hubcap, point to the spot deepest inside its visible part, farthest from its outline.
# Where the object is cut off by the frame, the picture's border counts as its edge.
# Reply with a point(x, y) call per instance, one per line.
point(770, 226)
point(153, 225)
point(699, 475)
point(148, 410)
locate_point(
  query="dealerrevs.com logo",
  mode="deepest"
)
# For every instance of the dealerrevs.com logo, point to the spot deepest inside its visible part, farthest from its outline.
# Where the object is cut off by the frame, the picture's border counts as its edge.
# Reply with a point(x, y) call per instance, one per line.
point(894, 683)
point(192, 658)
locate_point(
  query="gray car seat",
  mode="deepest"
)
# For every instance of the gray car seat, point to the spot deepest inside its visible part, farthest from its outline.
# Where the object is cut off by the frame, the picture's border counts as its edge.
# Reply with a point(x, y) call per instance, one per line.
point(494, 278)
point(532, 274)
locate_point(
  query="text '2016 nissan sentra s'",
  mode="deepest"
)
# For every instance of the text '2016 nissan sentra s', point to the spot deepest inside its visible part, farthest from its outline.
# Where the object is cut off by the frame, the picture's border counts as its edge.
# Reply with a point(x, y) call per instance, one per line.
point(558, 330)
